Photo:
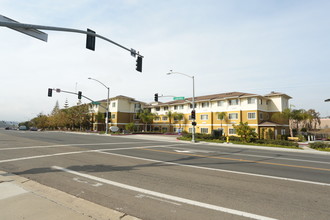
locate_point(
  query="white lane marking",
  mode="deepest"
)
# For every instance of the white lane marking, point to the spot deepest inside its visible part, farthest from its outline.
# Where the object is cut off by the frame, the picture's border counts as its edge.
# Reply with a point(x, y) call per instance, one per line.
point(140, 196)
point(183, 151)
point(187, 150)
point(79, 152)
point(87, 182)
point(219, 170)
point(69, 145)
point(165, 196)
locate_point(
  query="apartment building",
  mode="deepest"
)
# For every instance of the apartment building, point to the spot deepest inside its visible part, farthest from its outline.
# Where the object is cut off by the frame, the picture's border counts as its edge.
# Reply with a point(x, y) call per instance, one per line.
point(255, 109)
point(122, 110)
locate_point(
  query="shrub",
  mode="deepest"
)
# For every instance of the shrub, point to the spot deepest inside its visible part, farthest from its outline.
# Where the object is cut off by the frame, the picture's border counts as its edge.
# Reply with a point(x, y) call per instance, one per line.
point(277, 142)
point(319, 145)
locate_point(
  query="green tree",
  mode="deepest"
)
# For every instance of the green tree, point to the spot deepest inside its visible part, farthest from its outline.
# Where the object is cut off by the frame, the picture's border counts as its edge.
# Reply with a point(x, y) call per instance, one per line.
point(222, 116)
point(245, 132)
point(170, 115)
point(146, 117)
point(179, 117)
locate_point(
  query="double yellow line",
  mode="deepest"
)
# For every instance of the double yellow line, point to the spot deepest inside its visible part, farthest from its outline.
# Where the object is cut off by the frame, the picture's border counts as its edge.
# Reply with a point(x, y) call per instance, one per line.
point(234, 159)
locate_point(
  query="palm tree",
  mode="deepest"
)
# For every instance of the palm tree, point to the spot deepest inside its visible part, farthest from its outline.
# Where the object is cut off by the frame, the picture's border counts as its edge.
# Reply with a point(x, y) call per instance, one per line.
point(222, 116)
point(146, 117)
point(179, 117)
point(170, 115)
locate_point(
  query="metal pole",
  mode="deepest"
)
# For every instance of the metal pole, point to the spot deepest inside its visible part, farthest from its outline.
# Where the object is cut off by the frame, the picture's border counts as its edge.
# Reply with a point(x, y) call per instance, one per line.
point(193, 101)
point(107, 108)
point(107, 115)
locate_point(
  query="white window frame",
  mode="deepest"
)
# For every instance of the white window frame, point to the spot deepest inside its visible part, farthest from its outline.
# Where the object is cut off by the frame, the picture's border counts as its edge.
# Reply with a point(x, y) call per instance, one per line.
point(205, 104)
point(204, 130)
point(251, 100)
point(231, 131)
point(249, 114)
point(221, 103)
point(231, 101)
point(164, 118)
point(205, 117)
point(230, 116)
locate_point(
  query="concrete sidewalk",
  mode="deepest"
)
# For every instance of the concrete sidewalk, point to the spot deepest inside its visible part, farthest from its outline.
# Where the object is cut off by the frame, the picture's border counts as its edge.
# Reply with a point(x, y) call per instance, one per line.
point(21, 198)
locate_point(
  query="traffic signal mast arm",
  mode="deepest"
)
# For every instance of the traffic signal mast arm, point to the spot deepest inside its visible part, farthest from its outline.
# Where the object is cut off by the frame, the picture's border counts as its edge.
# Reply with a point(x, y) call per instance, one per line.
point(41, 27)
point(74, 93)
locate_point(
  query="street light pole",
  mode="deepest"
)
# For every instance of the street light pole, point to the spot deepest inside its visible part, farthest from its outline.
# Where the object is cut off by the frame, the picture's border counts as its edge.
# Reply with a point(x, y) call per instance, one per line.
point(193, 103)
point(107, 108)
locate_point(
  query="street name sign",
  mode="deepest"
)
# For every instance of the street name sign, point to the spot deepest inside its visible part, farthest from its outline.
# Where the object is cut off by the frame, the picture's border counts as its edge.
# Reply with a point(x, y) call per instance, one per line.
point(178, 98)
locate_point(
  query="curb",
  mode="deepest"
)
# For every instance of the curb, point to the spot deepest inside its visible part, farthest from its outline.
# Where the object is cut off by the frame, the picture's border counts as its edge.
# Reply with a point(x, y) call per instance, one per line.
point(59, 199)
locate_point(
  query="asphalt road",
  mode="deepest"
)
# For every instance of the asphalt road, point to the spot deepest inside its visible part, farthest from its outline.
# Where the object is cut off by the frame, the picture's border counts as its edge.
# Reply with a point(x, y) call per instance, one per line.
point(167, 179)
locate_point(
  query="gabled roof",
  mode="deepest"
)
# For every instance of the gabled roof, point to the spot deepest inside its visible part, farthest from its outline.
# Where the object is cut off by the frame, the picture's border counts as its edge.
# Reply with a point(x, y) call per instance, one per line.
point(121, 97)
point(269, 124)
point(214, 97)
point(277, 94)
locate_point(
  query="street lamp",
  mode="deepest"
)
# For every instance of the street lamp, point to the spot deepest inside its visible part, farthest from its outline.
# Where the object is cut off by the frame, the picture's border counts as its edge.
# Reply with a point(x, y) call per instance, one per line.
point(193, 102)
point(107, 108)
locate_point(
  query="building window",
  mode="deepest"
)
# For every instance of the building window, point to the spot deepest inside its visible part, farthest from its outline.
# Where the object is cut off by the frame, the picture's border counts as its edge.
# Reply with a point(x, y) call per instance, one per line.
point(232, 131)
point(157, 119)
point(205, 104)
point(251, 100)
point(260, 101)
point(113, 104)
point(113, 116)
point(136, 117)
point(157, 108)
point(261, 116)
point(190, 130)
point(221, 103)
point(164, 118)
point(283, 131)
point(251, 115)
point(191, 106)
point(175, 107)
point(180, 106)
point(204, 117)
point(233, 102)
point(190, 118)
point(165, 108)
point(233, 116)
point(204, 130)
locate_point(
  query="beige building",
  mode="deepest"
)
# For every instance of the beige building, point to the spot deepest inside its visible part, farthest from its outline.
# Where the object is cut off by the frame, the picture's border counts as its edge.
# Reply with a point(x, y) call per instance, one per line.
point(122, 110)
point(254, 109)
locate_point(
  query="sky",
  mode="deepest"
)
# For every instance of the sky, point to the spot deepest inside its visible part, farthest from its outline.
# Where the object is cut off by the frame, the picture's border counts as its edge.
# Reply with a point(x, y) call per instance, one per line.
point(252, 46)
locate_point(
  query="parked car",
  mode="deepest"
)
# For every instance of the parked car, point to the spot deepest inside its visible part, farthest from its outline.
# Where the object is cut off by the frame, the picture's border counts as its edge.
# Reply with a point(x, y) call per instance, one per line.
point(33, 129)
point(22, 128)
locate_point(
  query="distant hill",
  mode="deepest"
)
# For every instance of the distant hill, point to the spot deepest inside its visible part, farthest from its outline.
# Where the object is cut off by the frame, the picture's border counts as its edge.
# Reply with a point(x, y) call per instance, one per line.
point(4, 124)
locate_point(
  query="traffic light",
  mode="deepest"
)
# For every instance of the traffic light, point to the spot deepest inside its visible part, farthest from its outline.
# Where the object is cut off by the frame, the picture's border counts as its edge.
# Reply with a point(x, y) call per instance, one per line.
point(79, 94)
point(193, 114)
point(50, 92)
point(90, 41)
point(139, 64)
point(156, 97)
